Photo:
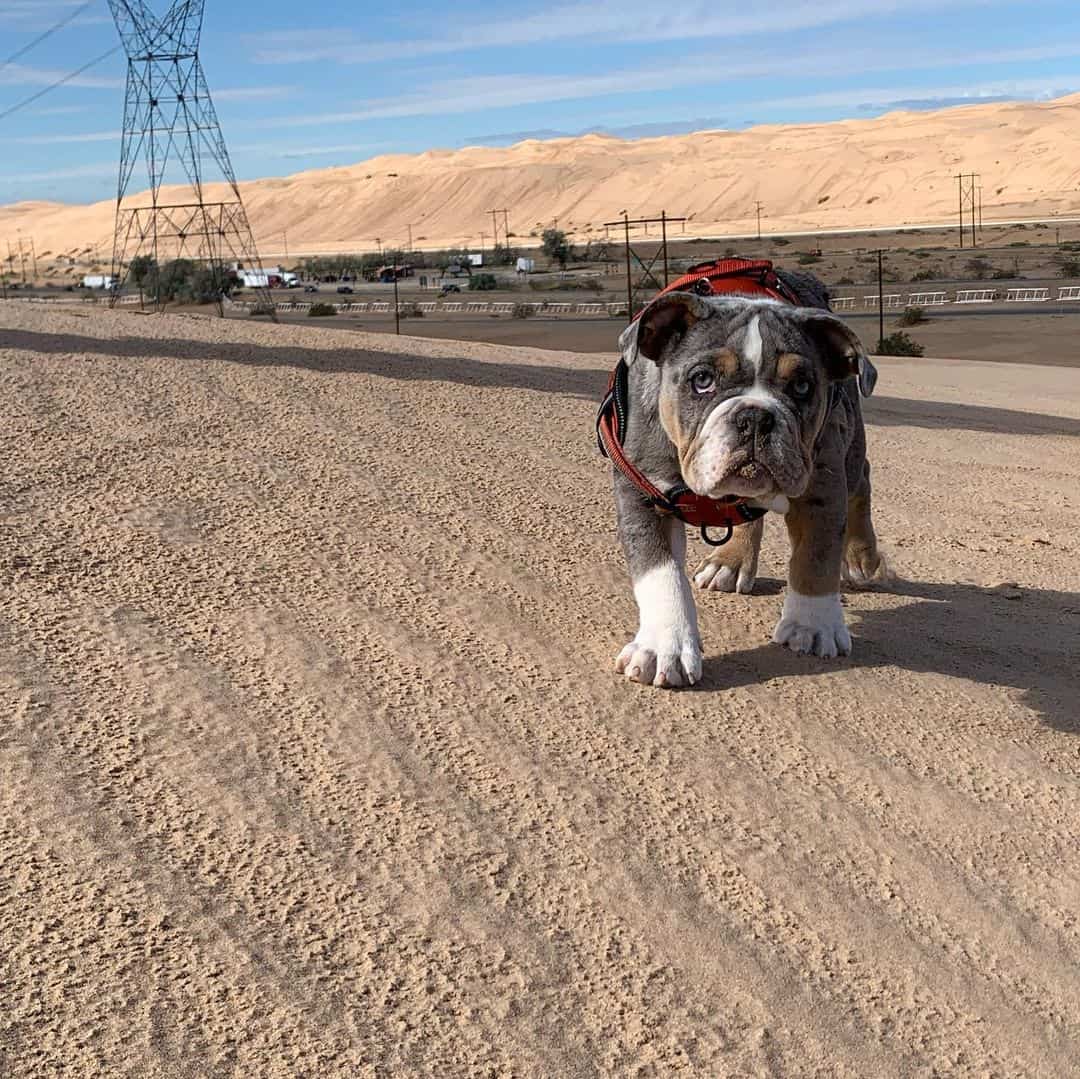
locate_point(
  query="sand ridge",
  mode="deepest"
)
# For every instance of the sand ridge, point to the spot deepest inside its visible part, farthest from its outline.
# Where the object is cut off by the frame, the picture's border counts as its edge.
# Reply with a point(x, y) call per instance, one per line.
point(888, 171)
point(313, 761)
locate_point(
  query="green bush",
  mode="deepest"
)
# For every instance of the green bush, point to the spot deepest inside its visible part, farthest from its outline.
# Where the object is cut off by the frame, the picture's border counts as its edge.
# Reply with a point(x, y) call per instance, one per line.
point(931, 273)
point(846, 281)
point(912, 316)
point(899, 344)
point(1069, 268)
point(808, 259)
point(321, 310)
point(482, 282)
point(555, 245)
point(184, 281)
point(780, 241)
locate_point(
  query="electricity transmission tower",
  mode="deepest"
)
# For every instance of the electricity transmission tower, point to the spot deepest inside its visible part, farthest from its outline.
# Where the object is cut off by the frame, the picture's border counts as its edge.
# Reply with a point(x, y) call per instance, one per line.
point(970, 200)
point(171, 127)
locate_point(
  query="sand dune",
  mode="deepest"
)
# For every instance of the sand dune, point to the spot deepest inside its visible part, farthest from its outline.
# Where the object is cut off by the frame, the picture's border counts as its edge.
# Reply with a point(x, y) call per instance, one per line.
point(893, 170)
point(313, 761)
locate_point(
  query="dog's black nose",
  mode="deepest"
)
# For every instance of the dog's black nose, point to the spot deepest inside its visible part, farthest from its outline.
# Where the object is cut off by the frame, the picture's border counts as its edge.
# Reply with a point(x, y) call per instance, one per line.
point(755, 421)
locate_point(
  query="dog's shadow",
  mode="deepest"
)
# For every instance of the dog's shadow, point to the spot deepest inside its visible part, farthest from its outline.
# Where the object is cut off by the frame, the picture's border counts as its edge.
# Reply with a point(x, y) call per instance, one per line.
point(1024, 638)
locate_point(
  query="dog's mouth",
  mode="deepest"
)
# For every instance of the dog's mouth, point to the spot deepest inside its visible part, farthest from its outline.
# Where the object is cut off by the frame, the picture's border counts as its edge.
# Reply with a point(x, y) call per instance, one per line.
point(749, 478)
point(750, 473)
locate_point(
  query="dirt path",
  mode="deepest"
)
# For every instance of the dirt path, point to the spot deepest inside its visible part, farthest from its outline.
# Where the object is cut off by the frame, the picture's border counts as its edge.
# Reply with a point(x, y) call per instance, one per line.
point(313, 761)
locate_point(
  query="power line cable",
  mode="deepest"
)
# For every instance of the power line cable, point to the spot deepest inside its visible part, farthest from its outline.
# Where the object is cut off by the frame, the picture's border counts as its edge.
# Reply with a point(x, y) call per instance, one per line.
point(59, 82)
point(45, 34)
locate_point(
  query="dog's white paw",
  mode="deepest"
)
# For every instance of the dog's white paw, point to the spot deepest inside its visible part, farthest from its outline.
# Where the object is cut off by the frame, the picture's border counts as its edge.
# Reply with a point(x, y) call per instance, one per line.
point(716, 577)
point(813, 625)
point(666, 660)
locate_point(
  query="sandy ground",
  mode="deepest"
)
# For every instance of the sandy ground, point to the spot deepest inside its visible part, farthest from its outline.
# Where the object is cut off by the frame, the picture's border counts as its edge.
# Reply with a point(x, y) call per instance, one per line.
point(313, 761)
point(896, 169)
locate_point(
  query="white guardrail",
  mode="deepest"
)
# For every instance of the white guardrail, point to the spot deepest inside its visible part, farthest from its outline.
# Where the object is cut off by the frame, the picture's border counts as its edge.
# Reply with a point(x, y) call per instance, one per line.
point(892, 301)
point(889, 300)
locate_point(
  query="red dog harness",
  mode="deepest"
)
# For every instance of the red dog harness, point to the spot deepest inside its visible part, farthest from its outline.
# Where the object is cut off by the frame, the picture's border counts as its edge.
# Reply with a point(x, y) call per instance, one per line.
point(746, 277)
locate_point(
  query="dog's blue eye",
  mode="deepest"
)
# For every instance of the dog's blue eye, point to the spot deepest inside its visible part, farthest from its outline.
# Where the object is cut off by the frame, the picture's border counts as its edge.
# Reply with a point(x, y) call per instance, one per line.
point(703, 380)
point(801, 387)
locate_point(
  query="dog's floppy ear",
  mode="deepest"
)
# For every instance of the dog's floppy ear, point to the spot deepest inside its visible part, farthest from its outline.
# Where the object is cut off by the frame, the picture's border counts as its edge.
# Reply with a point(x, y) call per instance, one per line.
point(840, 348)
point(661, 324)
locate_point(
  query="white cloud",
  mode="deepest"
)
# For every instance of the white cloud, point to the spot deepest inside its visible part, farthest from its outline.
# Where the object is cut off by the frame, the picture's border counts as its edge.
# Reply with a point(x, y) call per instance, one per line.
point(483, 92)
point(50, 140)
point(75, 172)
point(20, 75)
point(275, 149)
point(909, 96)
point(609, 20)
point(251, 93)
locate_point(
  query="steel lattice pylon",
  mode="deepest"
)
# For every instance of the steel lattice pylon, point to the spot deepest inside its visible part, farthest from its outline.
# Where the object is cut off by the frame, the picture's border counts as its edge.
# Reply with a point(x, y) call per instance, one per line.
point(169, 119)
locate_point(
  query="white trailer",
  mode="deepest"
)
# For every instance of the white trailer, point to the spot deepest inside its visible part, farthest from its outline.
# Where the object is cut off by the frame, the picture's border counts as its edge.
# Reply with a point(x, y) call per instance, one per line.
point(98, 280)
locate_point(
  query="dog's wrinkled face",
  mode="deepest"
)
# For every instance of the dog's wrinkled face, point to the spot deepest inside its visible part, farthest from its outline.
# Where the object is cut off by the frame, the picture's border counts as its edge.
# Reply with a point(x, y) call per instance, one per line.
point(743, 387)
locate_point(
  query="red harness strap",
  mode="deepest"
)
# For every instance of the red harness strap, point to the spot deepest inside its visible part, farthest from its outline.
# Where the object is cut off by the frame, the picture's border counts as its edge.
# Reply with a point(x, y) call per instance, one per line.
point(743, 276)
point(747, 277)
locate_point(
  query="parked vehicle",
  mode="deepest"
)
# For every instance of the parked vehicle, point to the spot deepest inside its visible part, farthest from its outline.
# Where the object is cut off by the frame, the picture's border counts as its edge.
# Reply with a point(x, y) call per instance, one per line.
point(344, 290)
point(311, 288)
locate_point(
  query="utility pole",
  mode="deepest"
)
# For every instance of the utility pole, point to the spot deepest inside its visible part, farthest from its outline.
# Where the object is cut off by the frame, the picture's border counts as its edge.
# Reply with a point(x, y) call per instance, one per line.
point(33, 257)
point(661, 254)
point(22, 262)
point(980, 209)
point(974, 242)
point(397, 312)
point(880, 298)
point(758, 206)
point(960, 188)
point(629, 281)
point(663, 242)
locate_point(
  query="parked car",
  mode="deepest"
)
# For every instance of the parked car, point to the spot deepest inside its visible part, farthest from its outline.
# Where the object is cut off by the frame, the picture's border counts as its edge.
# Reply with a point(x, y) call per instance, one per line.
point(447, 289)
point(344, 290)
point(311, 288)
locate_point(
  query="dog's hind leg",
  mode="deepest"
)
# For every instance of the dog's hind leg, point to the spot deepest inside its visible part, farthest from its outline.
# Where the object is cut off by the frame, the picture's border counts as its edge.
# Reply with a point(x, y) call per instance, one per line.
point(733, 567)
point(863, 562)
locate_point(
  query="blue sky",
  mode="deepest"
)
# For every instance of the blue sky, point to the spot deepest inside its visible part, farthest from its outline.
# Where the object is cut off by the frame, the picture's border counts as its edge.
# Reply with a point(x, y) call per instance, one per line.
point(308, 86)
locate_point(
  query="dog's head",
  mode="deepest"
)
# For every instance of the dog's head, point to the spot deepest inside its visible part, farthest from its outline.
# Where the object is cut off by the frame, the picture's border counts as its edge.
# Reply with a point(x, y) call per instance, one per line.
point(743, 387)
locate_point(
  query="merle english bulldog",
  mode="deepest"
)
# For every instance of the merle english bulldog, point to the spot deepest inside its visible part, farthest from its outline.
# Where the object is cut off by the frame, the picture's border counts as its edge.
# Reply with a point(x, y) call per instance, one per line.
point(755, 398)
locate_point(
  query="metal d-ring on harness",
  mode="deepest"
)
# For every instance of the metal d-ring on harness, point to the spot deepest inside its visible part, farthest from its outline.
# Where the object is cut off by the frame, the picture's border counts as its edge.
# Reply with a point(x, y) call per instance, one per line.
point(740, 276)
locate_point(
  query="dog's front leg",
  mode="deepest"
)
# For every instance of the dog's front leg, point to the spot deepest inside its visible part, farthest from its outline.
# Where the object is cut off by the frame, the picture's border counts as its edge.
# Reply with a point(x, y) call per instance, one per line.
point(667, 648)
point(812, 620)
